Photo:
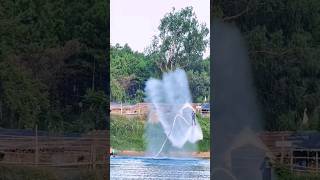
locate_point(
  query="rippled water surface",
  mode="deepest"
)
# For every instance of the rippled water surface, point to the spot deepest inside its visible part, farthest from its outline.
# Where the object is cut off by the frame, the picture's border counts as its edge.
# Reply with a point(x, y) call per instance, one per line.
point(161, 168)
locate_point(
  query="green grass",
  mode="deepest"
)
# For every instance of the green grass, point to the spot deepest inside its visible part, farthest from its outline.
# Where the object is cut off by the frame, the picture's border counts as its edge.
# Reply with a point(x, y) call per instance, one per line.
point(128, 134)
point(285, 174)
point(27, 173)
point(204, 144)
point(49, 173)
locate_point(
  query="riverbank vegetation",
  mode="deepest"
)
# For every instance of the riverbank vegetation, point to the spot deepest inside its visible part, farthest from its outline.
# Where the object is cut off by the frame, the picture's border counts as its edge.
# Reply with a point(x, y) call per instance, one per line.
point(284, 173)
point(41, 173)
point(282, 39)
point(53, 66)
point(128, 133)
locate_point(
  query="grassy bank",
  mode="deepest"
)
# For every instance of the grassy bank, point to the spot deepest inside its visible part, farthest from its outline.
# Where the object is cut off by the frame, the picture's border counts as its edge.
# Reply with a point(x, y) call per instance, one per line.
point(27, 173)
point(285, 174)
point(128, 133)
point(291, 176)
point(204, 144)
point(41, 173)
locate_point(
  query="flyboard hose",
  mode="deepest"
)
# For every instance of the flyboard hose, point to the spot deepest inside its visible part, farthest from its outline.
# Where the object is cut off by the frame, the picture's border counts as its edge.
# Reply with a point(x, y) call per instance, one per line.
point(174, 121)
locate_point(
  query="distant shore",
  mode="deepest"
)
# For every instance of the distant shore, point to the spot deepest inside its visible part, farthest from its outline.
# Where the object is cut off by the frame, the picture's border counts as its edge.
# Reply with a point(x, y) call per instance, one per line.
point(203, 155)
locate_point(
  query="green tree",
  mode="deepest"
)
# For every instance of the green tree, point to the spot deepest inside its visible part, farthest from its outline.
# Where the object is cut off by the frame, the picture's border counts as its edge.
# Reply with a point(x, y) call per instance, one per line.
point(22, 99)
point(199, 85)
point(56, 51)
point(199, 80)
point(282, 38)
point(181, 41)
point(93, 116)
point(128, 72)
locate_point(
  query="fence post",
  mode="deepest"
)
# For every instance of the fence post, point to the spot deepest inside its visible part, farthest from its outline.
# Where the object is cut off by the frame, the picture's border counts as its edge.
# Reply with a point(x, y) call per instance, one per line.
point(121, 109)
point(36, 147)
point(282, 149)
point(94, 154)
point(317, 161)
point(291, 160)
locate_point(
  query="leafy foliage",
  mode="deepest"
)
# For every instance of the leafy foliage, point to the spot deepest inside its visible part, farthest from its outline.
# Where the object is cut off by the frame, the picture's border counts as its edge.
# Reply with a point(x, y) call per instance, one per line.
point(183, 37)
point(53, 58)
point(283, 43)
point(128, 72)
point(180, 42)
point(22, 99)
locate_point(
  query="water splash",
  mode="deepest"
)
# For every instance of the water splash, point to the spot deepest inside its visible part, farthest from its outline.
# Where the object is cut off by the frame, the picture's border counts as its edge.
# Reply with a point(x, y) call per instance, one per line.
point(170, 106)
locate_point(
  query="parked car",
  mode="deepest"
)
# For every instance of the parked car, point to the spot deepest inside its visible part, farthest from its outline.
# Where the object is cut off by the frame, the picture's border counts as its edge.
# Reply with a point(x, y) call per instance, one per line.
point(205, 107)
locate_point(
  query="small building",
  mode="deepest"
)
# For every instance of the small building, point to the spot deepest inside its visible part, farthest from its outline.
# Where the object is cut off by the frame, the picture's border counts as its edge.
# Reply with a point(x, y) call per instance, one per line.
point(298, 150)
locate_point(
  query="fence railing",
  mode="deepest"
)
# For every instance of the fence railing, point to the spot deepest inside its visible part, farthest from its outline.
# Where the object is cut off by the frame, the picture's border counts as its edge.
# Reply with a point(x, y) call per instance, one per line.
point(285, 153)
point(141, 109)
point(53, 150)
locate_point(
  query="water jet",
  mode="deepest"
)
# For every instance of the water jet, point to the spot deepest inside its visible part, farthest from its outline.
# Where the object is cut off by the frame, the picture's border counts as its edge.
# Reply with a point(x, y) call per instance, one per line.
point(170, 100)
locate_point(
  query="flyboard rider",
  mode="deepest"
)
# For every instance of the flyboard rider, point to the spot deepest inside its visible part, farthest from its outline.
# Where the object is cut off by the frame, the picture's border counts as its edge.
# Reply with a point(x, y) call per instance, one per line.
point(193, 118)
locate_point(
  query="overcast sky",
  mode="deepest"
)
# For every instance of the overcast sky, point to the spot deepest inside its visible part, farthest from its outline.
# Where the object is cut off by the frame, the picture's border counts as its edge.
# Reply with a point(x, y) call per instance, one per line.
point(135, 21)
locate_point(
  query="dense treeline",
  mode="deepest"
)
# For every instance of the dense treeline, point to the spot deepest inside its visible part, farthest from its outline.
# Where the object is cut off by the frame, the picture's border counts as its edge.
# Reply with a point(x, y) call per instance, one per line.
point(283, 43)
point(130, 70)
point(180, 44)
point(53, 67)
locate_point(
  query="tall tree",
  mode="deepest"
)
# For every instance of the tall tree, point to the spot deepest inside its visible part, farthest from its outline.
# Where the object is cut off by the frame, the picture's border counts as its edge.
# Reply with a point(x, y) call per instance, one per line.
point(182, 40)
point(56, 51)
point(283, 44)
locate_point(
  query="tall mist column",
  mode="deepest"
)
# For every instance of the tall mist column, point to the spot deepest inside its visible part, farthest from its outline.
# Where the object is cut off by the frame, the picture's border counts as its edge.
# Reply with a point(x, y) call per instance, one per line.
point(237, 151)
point(171, 121)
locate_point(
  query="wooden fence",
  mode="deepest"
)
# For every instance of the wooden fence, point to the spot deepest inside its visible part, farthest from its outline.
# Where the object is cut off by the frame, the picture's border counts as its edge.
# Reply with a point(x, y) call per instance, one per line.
point(57, 151)
point(297, 159)
point(142, 109)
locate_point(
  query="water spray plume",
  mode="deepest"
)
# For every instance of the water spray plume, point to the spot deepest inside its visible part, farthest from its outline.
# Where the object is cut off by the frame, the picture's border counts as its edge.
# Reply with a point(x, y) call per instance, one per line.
point(170, 100)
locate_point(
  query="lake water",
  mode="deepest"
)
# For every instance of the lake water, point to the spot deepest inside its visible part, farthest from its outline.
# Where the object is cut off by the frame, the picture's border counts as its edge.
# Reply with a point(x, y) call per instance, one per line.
point(160, 168)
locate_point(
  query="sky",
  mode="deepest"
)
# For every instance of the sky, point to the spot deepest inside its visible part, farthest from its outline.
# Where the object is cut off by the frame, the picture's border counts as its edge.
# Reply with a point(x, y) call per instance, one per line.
point(135, 21)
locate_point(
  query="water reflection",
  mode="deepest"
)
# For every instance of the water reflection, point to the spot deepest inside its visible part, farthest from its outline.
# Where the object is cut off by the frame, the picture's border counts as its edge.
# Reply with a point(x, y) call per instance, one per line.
point(164, 168)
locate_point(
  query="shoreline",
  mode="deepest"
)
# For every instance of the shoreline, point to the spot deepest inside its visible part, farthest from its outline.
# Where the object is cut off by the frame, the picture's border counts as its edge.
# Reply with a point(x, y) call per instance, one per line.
point(202, 155)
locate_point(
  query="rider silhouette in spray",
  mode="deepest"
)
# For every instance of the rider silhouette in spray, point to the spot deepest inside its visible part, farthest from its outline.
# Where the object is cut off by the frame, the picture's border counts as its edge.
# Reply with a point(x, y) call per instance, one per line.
point(193, 118)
